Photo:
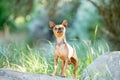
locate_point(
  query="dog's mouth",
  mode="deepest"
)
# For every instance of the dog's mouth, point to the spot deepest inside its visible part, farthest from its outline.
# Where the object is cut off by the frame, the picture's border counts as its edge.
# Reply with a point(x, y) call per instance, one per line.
point(59, 31)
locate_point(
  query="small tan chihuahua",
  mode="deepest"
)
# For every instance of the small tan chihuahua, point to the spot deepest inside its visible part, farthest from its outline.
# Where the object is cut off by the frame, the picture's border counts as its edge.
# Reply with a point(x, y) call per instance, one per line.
point(63, 50)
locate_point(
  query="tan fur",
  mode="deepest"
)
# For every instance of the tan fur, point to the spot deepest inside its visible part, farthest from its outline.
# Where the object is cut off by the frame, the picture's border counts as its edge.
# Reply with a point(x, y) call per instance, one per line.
point(63, 50)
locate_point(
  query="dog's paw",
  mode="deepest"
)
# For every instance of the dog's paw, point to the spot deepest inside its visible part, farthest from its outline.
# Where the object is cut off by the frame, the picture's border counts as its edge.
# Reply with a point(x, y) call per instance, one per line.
point(63, 76)
point(52, 74)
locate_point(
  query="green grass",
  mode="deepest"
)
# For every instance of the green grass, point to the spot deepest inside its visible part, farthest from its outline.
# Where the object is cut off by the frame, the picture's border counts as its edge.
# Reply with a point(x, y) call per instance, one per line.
point(20, 57)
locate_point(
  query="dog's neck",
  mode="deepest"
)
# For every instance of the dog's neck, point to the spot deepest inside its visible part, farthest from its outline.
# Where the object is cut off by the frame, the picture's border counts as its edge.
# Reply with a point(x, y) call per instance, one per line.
point(61, 40)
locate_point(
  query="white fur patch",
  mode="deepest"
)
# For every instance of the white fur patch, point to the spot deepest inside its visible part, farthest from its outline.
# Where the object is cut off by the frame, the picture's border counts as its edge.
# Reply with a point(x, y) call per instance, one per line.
point(70, 51)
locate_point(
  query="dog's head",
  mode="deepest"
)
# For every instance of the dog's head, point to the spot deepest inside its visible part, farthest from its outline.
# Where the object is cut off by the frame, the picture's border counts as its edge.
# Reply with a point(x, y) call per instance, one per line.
point(59, 30)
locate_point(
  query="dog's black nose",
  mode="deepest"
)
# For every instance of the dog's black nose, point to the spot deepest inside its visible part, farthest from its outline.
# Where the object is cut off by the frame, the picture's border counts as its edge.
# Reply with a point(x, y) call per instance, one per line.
point(59, 28)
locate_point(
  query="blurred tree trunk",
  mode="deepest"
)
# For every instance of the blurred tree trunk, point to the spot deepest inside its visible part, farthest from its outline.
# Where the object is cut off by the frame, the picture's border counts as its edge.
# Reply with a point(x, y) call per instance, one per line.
point(6, 32)
point(110, 11)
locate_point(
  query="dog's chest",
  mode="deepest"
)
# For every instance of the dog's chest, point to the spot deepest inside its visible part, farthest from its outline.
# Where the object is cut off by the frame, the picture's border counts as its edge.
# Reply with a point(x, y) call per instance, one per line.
point(62, 49)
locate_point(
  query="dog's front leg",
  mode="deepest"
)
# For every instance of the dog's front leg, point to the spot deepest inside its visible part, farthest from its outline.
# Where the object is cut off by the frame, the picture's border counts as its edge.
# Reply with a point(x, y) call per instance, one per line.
point(64, 68)
point(55, 64)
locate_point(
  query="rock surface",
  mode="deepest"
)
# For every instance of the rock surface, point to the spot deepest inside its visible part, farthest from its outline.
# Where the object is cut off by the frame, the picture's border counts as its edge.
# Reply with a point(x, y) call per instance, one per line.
point(105, 67)
point(6, 74)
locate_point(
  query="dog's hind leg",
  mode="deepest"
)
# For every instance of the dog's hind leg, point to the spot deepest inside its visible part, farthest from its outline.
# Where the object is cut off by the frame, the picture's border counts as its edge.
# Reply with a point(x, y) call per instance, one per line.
point(75, 62)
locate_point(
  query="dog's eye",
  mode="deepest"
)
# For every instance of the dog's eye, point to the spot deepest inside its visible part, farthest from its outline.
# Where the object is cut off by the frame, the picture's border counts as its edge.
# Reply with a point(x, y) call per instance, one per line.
point(55, 28)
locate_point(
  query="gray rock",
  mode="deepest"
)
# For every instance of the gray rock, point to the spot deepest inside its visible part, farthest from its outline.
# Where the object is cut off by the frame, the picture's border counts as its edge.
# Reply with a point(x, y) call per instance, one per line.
point(6, 74)
point(105, 67)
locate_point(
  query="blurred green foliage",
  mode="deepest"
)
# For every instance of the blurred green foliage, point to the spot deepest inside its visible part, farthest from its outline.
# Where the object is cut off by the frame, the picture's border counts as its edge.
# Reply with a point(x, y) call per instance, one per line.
point(82, 16)
point(110, 13)
point(10, 10)
point(4, 12)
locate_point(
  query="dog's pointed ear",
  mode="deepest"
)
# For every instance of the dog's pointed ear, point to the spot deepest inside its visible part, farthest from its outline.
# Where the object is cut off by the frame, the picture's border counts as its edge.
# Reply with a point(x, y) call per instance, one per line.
point(64, 23)
point(52, 24)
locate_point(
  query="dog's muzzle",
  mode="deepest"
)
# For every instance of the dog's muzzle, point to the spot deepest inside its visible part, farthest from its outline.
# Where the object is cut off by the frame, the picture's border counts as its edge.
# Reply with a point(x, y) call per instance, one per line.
point(60, 30)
